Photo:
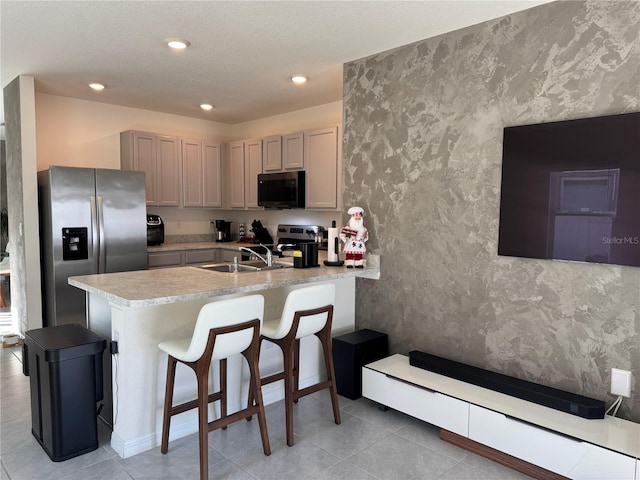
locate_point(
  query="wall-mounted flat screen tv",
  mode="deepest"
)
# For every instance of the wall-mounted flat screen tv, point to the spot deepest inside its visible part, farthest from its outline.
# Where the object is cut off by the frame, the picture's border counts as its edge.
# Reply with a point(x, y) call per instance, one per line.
point(571, 190)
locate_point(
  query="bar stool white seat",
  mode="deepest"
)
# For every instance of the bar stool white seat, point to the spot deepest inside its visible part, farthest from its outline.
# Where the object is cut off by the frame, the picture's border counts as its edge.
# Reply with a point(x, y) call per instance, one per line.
point(223, 329)
point(307, 311)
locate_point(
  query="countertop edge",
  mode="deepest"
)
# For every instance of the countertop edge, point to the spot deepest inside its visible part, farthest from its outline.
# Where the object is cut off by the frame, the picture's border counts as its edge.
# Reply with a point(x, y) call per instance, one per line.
point(100, 284)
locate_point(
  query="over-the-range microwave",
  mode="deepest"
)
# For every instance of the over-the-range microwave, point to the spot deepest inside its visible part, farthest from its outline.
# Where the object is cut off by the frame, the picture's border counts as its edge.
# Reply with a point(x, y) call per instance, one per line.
point(281, 190)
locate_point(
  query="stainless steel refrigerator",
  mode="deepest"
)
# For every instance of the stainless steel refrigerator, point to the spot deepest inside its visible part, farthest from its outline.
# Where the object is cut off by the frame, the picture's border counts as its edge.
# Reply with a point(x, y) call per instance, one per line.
point(92, 220)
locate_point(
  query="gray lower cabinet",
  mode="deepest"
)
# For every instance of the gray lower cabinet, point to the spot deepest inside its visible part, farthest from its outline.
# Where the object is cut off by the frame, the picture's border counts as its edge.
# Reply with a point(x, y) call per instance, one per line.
point(180, 258)
point(194, 257)
point(165, 259)
point(228, 255)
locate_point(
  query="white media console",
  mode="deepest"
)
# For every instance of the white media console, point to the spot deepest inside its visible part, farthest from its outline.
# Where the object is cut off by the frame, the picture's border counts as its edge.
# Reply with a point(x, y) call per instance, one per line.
point(537, 440)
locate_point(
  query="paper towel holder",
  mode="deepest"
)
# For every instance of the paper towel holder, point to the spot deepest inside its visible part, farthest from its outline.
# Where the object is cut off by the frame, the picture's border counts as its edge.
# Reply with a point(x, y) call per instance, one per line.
point(335, 247)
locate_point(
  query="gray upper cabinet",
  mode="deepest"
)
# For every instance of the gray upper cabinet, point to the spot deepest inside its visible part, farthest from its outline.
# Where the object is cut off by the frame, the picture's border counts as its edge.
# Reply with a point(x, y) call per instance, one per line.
point(236, 173)
point(321, 165)
point(272, 154)
point(212, 174)
point(201, 174)
point(293, 151)
point(253, 167)
point(283, 152)
point(316, 151)
point(168, 177)
point(246, 163)
point(158, 156)
point(192, 190)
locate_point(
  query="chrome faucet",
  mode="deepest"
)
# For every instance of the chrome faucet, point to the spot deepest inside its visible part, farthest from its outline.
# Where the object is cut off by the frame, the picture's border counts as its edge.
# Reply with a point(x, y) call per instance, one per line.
point(268, 260)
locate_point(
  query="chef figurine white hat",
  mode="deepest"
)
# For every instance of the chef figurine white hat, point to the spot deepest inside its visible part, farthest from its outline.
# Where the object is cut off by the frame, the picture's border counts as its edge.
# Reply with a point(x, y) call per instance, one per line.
point(355, 211)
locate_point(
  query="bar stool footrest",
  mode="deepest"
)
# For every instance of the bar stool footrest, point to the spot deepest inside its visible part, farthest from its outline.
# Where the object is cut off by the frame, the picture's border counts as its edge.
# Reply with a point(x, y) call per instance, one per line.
point(185, 407)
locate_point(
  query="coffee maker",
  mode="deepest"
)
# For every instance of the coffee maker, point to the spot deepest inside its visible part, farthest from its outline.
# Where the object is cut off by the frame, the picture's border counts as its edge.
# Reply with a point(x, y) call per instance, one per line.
point(223, 231)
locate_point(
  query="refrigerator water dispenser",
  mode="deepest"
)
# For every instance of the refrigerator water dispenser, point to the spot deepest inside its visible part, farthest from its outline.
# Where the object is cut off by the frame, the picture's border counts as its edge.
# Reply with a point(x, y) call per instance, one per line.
point(74, 244)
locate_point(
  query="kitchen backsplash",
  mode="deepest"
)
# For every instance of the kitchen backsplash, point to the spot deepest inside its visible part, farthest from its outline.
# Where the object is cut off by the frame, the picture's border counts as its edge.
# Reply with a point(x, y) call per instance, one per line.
point(194, 225)
point(198, 237)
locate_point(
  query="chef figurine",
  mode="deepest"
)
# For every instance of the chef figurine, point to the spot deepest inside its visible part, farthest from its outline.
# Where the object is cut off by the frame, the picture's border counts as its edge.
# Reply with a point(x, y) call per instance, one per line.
point(354, 236)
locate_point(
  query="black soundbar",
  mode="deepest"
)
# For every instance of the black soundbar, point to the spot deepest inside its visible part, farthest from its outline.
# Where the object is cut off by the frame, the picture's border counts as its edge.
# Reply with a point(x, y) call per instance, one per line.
point(579, 405)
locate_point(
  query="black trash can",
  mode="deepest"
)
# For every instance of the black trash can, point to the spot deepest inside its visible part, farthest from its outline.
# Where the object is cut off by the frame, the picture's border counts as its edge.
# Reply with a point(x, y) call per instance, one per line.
point(64, 365)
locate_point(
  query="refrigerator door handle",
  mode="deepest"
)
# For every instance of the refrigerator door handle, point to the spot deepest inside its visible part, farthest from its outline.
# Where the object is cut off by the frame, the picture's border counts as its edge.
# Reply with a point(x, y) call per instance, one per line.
point(94, 234)
point(102, 247)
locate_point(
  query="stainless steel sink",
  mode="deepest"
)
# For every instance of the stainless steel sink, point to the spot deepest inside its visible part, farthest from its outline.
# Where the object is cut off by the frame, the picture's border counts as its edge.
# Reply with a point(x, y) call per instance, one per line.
point(229, 268)
point(250, 266)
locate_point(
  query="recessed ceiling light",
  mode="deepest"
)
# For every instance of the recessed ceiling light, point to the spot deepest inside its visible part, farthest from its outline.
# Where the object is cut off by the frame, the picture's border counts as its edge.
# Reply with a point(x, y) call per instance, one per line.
point(206, 106)
point(177, 43)
point(298, 79)
point(96, 86)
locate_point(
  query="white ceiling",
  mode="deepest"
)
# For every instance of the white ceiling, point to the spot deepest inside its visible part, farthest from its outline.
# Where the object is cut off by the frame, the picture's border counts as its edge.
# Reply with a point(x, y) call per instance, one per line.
point(241, 56)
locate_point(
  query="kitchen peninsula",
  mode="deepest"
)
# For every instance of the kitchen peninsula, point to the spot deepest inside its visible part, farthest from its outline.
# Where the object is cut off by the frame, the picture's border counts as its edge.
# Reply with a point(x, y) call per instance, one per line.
point(140, 309)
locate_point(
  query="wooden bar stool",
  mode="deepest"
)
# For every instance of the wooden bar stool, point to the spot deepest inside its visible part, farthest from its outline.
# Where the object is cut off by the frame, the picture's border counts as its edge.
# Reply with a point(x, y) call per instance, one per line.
point(307, 311)
point(223, 329)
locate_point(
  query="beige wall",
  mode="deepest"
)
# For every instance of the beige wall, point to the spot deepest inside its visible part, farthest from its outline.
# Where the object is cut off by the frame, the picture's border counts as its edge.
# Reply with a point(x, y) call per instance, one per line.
point(80, 133)
point(321, 116)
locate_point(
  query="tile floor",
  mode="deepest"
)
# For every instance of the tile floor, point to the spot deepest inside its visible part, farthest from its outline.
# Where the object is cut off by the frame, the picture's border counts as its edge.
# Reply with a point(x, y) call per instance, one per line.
point(370, 444)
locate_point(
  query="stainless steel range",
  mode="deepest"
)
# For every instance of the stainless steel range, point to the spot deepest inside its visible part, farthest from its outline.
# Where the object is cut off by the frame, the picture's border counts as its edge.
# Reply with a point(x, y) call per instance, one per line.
point(293, 235)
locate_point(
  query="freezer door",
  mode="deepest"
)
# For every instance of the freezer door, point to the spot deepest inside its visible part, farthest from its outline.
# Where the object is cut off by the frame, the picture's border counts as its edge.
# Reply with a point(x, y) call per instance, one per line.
point(65, 216)
point(122, 220)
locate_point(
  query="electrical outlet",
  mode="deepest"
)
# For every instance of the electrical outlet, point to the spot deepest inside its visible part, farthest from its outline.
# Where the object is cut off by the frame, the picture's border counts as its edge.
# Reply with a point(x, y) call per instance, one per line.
point(621, 382)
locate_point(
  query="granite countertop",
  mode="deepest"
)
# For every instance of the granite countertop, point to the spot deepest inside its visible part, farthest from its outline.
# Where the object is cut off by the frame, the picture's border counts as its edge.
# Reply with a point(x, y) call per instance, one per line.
point(145, 288)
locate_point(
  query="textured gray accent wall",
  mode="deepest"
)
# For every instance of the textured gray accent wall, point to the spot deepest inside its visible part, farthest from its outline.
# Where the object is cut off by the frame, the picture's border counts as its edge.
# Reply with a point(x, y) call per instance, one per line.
point(422, 154)
point(14, 198)
point(3, 194)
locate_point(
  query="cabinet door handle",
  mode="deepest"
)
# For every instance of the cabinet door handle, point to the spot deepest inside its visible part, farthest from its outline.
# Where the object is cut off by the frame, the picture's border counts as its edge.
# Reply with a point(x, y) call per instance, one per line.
point(540, 427)
point(400, 380)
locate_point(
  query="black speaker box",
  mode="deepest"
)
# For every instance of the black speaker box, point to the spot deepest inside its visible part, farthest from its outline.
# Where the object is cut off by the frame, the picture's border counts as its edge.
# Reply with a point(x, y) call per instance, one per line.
point(350, 353)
